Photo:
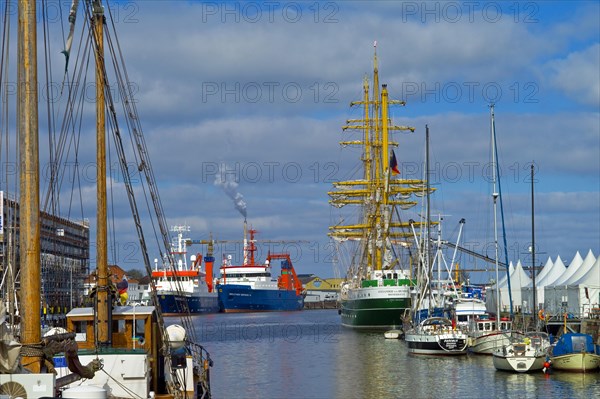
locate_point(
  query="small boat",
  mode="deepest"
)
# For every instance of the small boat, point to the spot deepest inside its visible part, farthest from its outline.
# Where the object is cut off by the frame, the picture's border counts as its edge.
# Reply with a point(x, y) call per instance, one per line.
point(473, 318)
point(467, 309)
point(525, 355)
point(250, 288)
point(436, 336)
point(393, 334)
point(486, 335)
point(496, 336)
point(575, 352)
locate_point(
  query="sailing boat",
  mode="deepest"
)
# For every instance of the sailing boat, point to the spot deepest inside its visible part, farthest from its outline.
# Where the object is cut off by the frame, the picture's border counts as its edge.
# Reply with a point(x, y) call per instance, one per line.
point(376, 291)
point(434, 332)
point(511, 352)
point(490, 334)
point(527, 354)
point(131, 353)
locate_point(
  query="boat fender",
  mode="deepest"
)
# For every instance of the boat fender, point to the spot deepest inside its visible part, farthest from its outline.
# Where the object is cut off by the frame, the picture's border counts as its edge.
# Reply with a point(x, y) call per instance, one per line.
point(177, 336)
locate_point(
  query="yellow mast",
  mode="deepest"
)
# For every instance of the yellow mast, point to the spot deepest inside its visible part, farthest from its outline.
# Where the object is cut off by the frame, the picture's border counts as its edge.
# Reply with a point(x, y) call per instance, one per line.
point(376, 120)
point(29, 196)
point(376, 216)
point(376, 193)
point(384, 138)
point(385, 214)
point(102, 288)
point(367, 130)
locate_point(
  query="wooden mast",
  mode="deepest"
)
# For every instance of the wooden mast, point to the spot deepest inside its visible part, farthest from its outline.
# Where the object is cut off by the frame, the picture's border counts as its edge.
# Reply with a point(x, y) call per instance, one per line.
point(29, 196)
point(103, 299)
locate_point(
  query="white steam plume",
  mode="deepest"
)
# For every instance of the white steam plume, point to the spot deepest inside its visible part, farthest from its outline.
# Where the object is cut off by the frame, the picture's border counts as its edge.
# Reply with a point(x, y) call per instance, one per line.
point(227, 182)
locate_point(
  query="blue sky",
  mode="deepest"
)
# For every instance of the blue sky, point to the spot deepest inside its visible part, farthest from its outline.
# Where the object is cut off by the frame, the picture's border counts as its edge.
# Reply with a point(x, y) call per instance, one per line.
point(264, 87)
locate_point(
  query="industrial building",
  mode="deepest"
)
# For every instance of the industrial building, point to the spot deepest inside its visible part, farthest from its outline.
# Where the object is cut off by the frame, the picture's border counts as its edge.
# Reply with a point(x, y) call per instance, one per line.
point(65, 253)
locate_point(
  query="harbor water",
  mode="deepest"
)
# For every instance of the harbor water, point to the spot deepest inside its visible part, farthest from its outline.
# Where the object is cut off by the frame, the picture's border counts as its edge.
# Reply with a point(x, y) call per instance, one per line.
point(308, 354)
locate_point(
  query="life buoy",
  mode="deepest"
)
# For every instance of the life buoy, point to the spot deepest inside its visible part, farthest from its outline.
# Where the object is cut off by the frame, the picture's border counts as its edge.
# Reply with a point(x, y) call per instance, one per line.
point(542, 316)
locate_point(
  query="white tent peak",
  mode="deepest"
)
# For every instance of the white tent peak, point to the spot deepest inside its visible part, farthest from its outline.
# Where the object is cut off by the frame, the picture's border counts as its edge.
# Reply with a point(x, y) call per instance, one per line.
point(547, 267)
point(571, 270)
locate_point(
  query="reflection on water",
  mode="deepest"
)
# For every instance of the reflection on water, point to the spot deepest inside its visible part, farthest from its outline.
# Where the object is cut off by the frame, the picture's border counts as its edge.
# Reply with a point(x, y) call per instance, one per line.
point(309, 355)
point(576, 385)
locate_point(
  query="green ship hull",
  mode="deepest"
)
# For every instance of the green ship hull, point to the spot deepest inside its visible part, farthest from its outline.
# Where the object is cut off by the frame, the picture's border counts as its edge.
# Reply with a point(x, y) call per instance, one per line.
point(378, 313)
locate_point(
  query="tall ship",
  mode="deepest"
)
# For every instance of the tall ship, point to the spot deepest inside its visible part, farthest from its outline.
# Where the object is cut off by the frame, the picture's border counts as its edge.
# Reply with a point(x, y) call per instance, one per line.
point(182, 288)
point(376, 293)
point(250, 287)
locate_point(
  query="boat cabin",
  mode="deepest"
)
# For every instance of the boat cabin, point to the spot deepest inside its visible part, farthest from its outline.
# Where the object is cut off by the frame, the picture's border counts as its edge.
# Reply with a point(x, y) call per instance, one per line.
point(489, 324)
point(131, 327)
point(384, 278)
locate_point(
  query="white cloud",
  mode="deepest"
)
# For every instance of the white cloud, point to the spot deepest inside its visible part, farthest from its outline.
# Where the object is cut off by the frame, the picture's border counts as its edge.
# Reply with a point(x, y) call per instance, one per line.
point(577, 75)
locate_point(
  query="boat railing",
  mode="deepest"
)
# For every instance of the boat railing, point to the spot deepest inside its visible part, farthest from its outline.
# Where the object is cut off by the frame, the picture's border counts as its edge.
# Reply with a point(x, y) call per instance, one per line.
point(202, 364)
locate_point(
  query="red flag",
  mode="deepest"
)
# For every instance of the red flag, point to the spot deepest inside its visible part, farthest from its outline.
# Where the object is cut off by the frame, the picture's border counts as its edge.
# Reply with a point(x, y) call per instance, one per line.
point(394, 164)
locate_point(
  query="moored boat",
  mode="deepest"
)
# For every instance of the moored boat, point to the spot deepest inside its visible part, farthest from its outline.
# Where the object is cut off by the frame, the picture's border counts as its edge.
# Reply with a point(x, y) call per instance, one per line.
point(436, 336)
point(575, 352)
point(486, 334)
point(469, 305)
point(250, 287)
point(181, 288)
point(137, 367)
point(376, 293)
point(484, 331)
point(393, 334)
point(377, 303)
point(524, 355)
point(493, 336)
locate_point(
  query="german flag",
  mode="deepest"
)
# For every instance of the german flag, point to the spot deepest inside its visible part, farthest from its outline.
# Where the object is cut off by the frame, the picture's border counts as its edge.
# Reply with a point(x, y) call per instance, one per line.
point(394, 164)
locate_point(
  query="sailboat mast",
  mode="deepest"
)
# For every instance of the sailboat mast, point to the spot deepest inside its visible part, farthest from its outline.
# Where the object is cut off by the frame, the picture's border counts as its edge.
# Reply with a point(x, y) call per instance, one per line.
point(426, 244)
point(29, 196)
point(102, 295)
point(533, 242)
point(495, 201)
point(498, 194)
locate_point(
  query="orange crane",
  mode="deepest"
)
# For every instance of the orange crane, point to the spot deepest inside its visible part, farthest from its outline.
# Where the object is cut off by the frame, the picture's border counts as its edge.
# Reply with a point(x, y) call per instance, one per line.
point(288, 278)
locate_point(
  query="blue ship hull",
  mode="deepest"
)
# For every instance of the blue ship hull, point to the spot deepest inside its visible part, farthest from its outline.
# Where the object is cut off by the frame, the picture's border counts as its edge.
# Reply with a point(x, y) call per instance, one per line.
point(242, 298)
point(173, 304)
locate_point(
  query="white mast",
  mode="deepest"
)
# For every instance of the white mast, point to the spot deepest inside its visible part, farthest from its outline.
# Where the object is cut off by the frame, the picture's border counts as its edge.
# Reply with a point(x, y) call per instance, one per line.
point(494, 199)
